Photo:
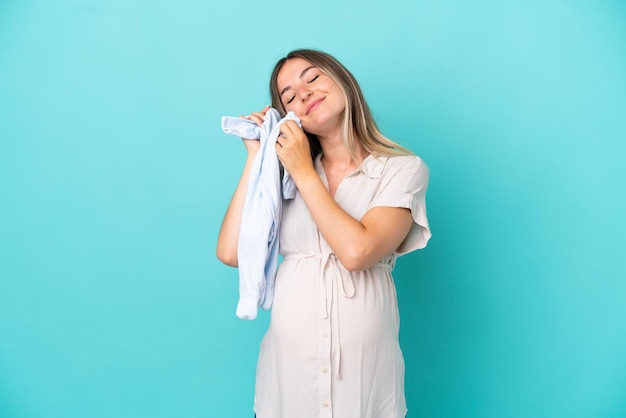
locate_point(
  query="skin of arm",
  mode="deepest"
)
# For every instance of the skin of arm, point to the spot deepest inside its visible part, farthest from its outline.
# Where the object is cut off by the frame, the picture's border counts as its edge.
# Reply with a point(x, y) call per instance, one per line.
point(228, 239)
point(358, 244)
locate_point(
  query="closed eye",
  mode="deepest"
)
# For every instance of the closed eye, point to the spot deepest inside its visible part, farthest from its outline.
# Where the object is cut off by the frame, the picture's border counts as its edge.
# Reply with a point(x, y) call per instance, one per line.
point(310, 81)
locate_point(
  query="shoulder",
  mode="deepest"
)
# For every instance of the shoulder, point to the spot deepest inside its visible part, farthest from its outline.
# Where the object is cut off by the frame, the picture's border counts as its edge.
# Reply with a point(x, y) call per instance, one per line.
point(402, 160)
point(406, 173)
point(397, 164)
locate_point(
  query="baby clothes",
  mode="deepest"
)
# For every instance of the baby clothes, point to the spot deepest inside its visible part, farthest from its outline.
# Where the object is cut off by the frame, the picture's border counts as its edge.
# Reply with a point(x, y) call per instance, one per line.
point(258, 237)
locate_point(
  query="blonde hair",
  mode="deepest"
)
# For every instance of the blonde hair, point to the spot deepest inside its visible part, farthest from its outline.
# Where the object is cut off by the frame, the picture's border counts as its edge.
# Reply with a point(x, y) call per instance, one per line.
point(359, 128)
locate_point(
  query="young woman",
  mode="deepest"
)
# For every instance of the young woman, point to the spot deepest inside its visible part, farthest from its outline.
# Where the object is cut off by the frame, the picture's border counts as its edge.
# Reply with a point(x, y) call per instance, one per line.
point(332, 348)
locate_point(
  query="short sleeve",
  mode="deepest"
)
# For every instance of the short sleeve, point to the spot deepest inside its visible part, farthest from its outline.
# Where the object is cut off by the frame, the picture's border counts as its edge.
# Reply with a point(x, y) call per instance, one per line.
point(405, 186)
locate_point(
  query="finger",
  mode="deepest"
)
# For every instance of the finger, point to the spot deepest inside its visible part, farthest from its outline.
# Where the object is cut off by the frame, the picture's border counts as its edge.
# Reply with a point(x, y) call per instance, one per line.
point(257, 117)
point(286, 127)
point(293, 127)
point(290, 128)
point(284, 130)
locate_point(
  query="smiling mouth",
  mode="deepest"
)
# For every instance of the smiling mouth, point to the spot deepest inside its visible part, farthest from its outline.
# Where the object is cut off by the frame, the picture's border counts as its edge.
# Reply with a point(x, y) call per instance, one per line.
point(313, 106)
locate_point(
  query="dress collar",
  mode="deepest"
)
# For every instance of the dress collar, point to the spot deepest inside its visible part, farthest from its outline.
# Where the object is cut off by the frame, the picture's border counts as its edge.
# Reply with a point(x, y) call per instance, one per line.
point(371, 166)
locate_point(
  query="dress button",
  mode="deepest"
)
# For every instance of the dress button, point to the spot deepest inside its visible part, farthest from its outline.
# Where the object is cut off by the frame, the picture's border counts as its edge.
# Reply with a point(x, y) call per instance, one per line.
point(325, 404)
point(324, 370)
point(325, 335)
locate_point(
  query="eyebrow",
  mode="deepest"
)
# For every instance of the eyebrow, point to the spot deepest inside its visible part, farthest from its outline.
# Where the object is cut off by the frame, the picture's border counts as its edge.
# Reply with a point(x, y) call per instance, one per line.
point(301, 75)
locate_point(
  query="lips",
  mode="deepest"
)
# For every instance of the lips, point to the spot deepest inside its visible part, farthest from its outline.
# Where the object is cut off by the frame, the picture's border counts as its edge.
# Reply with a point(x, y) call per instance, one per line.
point(313, 105)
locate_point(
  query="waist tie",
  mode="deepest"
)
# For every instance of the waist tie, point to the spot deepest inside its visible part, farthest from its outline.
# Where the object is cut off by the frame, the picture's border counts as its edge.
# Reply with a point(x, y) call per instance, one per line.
point(342, 280)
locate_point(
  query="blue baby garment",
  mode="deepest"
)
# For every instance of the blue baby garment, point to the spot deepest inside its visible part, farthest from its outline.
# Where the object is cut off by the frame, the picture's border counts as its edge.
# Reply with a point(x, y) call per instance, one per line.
point(258, 237)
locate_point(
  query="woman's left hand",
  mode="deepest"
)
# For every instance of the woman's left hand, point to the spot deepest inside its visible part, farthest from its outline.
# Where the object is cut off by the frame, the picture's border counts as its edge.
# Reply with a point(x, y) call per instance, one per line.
point(293, 149)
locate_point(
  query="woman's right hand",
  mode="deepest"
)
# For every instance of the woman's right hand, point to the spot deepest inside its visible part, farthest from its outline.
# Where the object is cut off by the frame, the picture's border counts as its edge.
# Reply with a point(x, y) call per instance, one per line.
point(252, 144)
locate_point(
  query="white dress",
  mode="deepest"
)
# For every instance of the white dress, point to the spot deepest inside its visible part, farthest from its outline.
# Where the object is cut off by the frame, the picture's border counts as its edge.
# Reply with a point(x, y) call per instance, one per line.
point(331, 349)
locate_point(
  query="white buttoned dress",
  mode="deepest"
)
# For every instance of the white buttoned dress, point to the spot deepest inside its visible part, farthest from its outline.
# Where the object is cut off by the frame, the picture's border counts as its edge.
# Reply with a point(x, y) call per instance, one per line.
point(331, 349)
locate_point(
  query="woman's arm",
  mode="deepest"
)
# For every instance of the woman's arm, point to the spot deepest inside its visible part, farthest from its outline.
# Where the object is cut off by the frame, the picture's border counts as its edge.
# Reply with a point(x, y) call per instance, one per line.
point(358, 244)
point(228, 239)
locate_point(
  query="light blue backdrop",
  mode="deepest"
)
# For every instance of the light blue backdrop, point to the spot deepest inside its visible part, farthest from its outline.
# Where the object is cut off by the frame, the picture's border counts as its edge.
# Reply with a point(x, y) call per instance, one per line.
point(114, 175)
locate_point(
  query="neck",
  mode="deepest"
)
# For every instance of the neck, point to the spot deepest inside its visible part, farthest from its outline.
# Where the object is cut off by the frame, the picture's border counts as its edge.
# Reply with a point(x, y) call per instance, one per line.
point(335, 153)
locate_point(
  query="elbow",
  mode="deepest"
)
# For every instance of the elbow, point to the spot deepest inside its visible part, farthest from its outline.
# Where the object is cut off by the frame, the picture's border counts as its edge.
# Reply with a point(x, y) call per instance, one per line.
point(355, 261)
point(227, 258)
point(352, 267)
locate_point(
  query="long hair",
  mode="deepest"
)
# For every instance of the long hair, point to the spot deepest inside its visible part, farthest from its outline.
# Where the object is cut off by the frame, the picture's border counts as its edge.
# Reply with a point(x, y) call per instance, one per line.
point(359, 128)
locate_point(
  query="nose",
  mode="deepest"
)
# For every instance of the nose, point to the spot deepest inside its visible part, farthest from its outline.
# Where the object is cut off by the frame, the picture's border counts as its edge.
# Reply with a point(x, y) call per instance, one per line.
point(305, 94)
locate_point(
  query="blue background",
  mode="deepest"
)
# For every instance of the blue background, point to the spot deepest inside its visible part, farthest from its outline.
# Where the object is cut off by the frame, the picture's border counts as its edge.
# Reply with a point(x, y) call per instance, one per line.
point(114, 176)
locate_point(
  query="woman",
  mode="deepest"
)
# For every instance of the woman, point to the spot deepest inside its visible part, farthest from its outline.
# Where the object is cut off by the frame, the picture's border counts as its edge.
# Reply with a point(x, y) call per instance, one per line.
point(332, 348)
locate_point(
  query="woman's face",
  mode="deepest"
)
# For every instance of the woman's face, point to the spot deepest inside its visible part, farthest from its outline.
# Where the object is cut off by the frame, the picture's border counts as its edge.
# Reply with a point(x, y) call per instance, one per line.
point(313, 96)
